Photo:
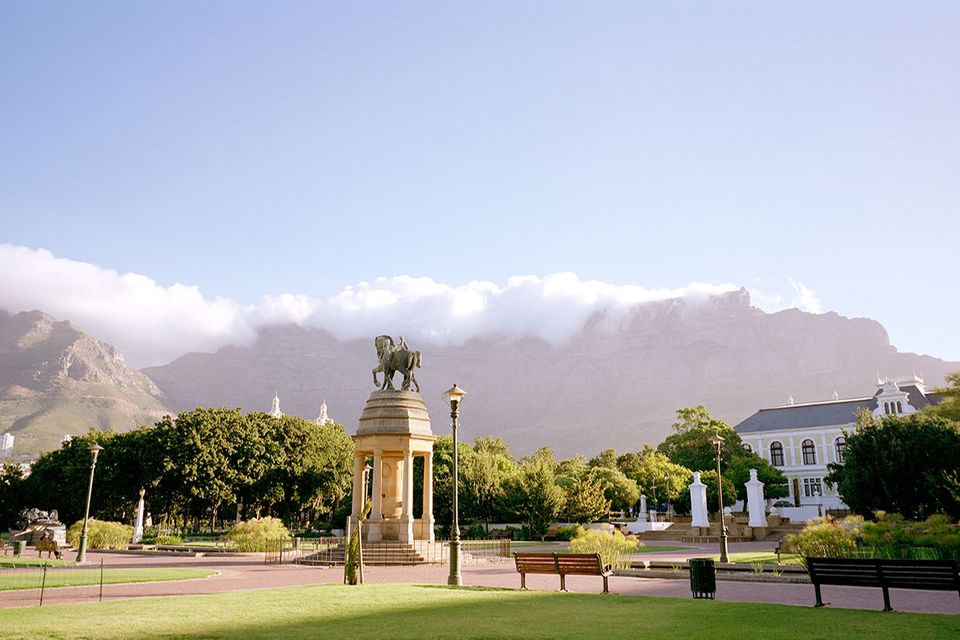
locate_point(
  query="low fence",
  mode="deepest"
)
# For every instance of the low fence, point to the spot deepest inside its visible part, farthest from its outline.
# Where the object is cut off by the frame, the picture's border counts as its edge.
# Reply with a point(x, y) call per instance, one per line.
point(331, 551)
point(45, 580)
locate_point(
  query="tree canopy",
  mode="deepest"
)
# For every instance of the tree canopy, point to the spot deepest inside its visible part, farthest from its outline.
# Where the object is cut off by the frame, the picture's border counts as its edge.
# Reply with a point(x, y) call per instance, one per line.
point(903, 464)
point(690, 445)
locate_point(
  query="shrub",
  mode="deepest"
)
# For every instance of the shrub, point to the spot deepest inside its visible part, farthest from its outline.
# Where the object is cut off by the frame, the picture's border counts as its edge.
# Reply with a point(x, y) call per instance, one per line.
point(101, 534)
point(566, 533)
point(252, 535)
point(614, 548)
point(828, 538)
point(893, 537)
point(476, 531)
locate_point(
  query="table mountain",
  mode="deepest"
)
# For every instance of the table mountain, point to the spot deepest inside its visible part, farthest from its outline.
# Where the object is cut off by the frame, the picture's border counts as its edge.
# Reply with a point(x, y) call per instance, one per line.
point(57, 380)
point(616, 383)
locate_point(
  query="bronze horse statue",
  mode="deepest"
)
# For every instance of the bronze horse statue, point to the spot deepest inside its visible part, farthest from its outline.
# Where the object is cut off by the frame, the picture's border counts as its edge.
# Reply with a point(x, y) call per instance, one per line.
point(395, 359)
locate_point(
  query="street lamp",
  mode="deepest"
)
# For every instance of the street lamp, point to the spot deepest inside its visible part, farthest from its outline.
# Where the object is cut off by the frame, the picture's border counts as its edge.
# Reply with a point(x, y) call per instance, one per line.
point(453, 396)
point(716, 440)
point(95, 449)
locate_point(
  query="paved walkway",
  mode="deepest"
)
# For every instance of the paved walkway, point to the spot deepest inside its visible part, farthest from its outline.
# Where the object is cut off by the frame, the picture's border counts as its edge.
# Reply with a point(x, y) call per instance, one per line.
point(248, 572)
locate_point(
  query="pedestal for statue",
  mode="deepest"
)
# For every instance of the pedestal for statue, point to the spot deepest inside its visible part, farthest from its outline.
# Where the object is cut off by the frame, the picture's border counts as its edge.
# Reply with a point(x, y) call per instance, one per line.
point(394, 429)
point(755, 501)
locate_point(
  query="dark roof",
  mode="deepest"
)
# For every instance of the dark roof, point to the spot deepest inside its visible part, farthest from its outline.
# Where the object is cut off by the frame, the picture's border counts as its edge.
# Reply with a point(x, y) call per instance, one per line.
point(804, 416)
point(826, 414)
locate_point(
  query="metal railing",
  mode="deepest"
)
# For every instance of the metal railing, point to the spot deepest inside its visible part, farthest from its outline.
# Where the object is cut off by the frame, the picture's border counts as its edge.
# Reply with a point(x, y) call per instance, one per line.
point(46, 579)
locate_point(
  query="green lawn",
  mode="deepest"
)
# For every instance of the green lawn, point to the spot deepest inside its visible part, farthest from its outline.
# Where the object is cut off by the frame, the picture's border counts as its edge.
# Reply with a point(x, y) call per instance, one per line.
point(76, 577)
point(31, 561)
point(417, 612)
point(766, 557)
point(652, 548)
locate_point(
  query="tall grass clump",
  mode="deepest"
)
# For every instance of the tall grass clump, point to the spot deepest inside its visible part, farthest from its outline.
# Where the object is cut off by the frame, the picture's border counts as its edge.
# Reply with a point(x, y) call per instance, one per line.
point(253, 535)
point(828, 538)
point(101, 534)
point(614, 548)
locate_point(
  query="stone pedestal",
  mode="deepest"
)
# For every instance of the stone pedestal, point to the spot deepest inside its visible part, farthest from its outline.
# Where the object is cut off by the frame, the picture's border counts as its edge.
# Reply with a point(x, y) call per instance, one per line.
point(394, 429)
point(698, 502)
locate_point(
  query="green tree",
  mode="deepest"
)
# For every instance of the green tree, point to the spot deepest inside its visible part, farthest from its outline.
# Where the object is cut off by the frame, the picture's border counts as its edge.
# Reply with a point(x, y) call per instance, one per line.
point(606, 458)
point(656, 476)
point(12, 498)
point(539, 498)
point(949, 405)
point(484, 475)
point(901, 464)
point(709, 478)
point(690, 445)
point(621, 492)
point(584, 500)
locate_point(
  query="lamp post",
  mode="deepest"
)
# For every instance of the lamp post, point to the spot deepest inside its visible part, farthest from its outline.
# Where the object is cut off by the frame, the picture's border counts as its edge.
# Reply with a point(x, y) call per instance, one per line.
point(453, 396)
point(95, 449)
point(717, 440)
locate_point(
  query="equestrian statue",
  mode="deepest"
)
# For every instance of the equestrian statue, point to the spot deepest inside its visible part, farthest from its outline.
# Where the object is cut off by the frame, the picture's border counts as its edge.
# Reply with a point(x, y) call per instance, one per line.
point(395, 358)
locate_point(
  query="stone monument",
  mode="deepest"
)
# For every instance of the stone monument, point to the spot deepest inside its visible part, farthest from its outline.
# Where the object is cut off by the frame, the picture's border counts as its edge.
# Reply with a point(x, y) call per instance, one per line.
point(755, 501)
point(138, 529)
point(394, 429)
point(698, 502)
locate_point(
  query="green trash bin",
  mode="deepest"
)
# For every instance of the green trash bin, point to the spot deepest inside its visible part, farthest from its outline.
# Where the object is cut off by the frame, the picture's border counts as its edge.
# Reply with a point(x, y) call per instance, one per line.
point(703, 578)
point(19, 546)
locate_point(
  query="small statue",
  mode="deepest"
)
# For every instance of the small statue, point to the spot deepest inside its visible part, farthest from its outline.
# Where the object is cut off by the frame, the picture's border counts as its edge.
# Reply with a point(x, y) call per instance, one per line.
point(395, 358)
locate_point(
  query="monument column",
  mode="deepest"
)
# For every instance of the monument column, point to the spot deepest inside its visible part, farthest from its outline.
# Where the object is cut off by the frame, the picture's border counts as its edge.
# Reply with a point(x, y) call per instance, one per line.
point(377, 511)
point(698, 502)
point(406, 513)
point(428, 493)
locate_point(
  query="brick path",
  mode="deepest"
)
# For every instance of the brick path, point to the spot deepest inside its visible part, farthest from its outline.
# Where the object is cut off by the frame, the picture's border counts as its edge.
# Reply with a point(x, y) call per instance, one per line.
point(247, 572)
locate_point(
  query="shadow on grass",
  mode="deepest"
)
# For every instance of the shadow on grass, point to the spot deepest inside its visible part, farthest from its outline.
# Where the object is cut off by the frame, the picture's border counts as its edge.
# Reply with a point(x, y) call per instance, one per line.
point(438, 611)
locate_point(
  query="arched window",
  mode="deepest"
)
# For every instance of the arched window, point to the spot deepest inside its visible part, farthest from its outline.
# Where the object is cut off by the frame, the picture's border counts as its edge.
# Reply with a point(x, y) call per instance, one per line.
point(886, 408)
point(840, 445)
point(899, 407)
point(776, 454)
point(809, 452)
point(747, 448)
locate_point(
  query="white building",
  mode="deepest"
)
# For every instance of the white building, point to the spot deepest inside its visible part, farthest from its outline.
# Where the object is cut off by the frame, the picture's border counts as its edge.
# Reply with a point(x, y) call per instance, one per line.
point(275, 406)
point(323, 418)
point(6, 445)
point(802, 439)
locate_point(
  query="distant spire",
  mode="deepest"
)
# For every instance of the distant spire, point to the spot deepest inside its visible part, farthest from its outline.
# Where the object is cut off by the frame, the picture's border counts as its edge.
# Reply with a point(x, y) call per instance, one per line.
point(836, 396)
point(275, 407)
point(323, 418)
point(790, 400)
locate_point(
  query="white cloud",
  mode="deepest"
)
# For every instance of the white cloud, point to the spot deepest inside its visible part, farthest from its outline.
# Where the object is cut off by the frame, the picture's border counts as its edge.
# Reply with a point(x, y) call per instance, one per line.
point(803, 298)
point(152, 324)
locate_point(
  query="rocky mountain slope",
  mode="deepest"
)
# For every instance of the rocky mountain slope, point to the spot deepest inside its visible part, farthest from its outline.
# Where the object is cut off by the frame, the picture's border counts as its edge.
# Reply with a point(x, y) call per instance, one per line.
point(615, 384)
point(57, 380)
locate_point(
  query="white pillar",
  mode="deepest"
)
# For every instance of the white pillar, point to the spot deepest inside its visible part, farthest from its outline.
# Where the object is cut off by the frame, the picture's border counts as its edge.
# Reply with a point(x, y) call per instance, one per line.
point(406, 509)
point(428, 521)
point(643, 508)
point(698, 502)
point(376, 512)
point(357, 484)
point(138, 530)
point(755, 502)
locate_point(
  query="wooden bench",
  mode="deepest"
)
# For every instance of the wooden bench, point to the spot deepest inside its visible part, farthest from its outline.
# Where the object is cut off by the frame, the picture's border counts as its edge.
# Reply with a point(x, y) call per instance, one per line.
point(935, 575)
point(562, 564)
point(50, 546)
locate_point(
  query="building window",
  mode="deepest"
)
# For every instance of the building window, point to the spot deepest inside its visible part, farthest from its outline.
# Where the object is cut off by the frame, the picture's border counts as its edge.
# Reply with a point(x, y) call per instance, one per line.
point(886, 408)
point(899, 407)
point(747, 448)
point(809, 452)
point(840, 444)
point(812, 488)
point(776, 454)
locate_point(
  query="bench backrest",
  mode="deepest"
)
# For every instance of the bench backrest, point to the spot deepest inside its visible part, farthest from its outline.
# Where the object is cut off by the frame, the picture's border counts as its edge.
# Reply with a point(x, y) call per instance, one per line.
point(45, 545)
point(536, 562)
point(580, 563)
point(912, 574)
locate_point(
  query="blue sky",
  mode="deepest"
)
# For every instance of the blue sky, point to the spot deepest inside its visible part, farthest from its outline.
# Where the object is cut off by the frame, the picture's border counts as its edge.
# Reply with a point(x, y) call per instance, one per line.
point(259, 149)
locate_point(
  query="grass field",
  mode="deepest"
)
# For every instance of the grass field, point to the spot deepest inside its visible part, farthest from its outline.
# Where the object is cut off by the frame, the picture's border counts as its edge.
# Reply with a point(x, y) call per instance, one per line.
point(407, 611)
point(71, 577)
point(28, 561)
point(766, 557)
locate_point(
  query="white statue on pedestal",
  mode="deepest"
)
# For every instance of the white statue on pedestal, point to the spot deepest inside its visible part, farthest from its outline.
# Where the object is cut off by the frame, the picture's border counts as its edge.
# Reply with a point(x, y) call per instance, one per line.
point(698, 502)
point(138, 530)
point(755, 501)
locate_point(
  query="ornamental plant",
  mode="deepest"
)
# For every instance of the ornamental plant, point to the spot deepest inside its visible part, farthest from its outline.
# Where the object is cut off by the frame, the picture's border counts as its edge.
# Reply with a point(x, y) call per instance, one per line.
point(614, 548)
point(101, 534)
point(253, 535)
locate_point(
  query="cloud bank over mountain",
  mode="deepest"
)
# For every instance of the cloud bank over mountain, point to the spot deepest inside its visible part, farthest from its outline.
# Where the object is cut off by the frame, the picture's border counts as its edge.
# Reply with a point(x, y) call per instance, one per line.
point(152, 323)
